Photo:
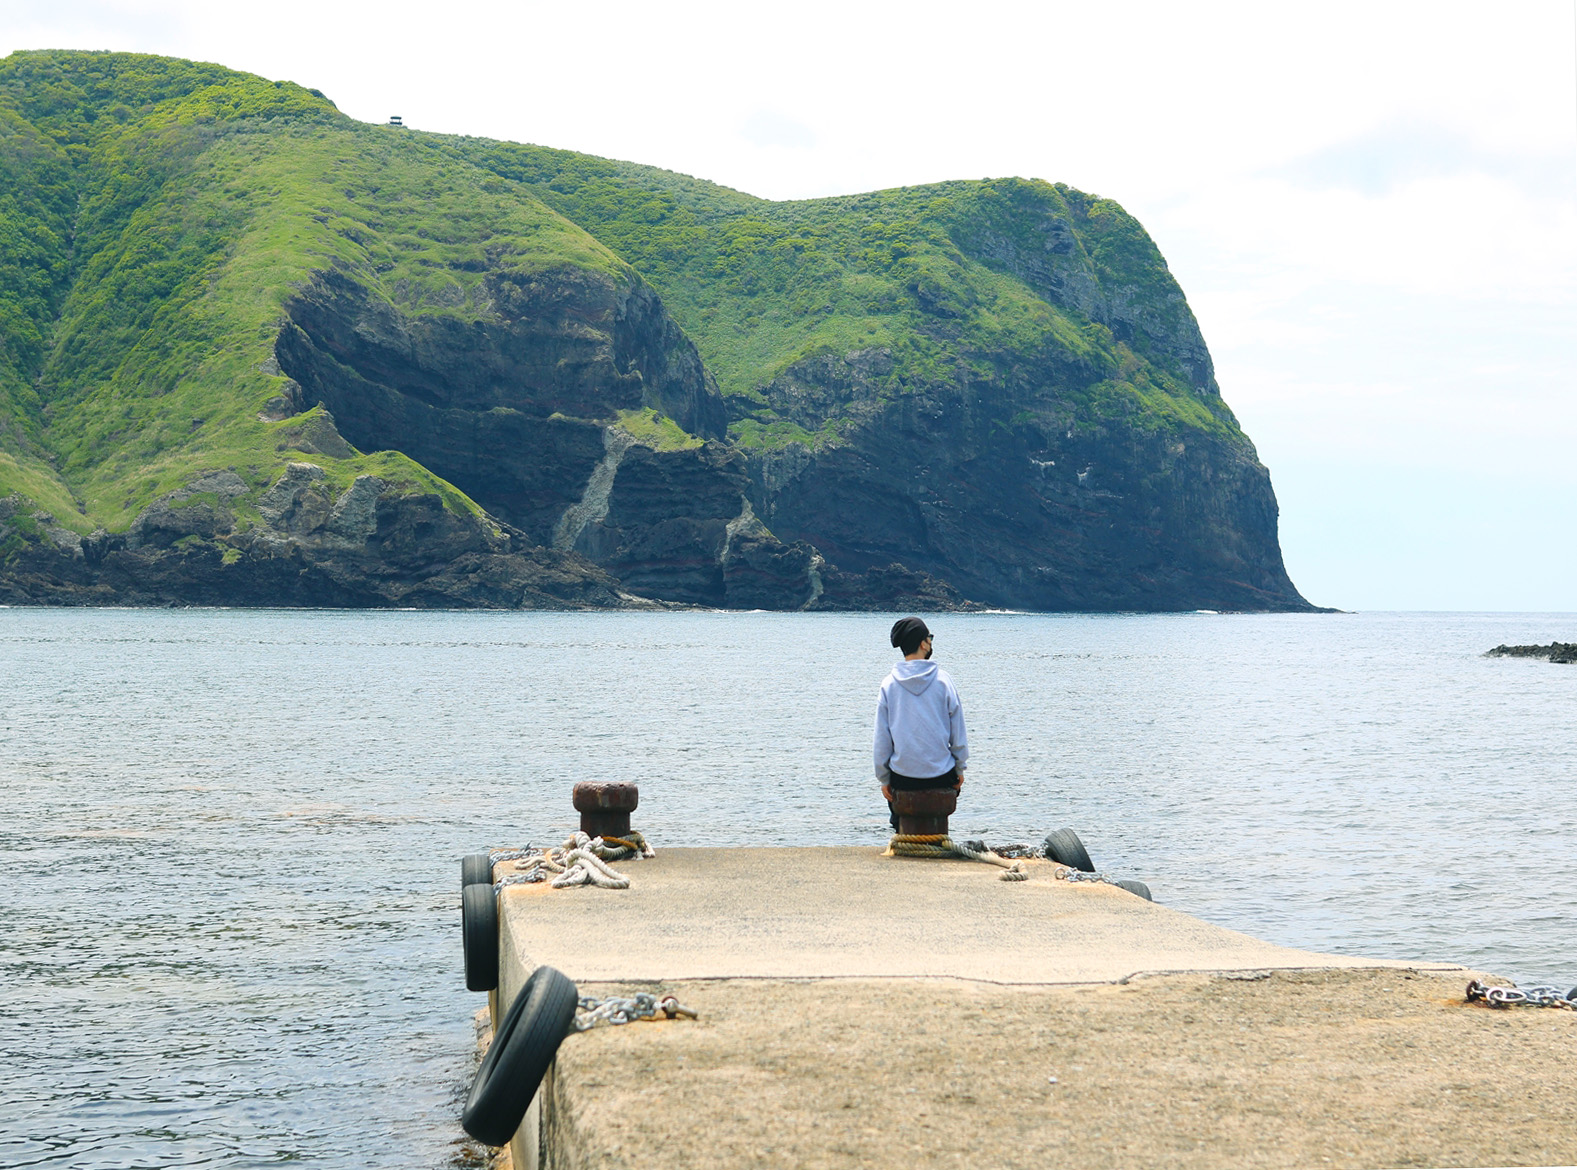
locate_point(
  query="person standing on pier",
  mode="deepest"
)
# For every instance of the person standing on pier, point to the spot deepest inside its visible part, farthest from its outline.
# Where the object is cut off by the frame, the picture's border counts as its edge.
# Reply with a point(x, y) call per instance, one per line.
point(920, 736)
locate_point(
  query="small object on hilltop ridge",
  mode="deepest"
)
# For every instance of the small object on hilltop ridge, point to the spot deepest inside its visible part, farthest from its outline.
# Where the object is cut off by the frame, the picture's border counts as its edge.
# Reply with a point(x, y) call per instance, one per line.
point(395, 120)
point(1563, 652)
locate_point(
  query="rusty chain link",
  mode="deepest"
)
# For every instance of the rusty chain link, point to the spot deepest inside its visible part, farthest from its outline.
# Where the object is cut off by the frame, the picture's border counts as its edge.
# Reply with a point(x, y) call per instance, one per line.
point(626, 1009)
point(1545, 995)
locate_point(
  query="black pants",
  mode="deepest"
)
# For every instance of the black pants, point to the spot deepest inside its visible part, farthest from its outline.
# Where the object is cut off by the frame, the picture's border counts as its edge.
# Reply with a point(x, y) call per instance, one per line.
point(910, 784)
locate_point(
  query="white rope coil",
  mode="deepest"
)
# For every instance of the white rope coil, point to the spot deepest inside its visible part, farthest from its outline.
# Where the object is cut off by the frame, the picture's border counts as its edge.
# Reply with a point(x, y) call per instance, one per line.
point(1012, 871)
point(581, 861)
point(582, 866)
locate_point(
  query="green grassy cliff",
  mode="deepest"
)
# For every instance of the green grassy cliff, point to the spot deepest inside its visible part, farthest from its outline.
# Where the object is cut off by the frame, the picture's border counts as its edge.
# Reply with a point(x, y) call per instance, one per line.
point(158, 215)
point(254, 352)
point(925, 270)
point(170, 209)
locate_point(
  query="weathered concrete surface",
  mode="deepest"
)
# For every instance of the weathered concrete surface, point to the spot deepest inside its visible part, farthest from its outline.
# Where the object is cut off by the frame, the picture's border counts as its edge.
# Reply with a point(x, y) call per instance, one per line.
point(858, 1010)
point(814, 913)
point(1326, 1068)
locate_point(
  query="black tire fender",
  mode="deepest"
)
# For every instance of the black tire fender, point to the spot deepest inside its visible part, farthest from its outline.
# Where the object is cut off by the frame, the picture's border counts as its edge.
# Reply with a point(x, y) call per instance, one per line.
point(1064, 847)
point(1135, 887)
point(522, 1051)
point(475, 867)
point(479, 935)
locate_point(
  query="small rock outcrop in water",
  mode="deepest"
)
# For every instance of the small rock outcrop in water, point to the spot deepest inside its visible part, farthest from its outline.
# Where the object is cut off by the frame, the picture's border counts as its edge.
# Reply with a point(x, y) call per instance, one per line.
point(1556, 652)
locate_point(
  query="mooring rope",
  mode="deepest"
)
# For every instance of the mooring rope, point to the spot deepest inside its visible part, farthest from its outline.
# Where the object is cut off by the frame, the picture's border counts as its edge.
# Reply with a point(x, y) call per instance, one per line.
point(581, 861)
point(941, 845)
point(619, 848)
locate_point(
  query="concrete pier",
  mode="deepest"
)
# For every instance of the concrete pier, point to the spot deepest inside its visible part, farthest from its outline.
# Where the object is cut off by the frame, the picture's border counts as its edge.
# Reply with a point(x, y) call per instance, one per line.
point(864, 1010)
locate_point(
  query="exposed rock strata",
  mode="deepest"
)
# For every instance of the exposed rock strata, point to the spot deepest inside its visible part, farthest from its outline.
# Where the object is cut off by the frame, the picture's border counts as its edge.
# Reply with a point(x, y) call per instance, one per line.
point(969, 392)
point(513, 410)
point(1016, 496)
point(503, 405)
point(312, 544)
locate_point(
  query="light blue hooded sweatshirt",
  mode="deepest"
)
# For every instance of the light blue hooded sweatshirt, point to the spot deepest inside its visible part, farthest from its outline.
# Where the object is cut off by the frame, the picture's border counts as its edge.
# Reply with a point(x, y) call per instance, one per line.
point(919, 723)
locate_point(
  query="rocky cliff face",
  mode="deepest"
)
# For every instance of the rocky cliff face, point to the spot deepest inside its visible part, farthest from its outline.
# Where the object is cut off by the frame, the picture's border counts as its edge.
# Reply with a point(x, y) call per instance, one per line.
point(516, 408)
point(309, 544)
point(519, 409)
point(1031, 524)
point(1049, 472)
point(1029, 416)
point(1004, 489)
point(510, 405)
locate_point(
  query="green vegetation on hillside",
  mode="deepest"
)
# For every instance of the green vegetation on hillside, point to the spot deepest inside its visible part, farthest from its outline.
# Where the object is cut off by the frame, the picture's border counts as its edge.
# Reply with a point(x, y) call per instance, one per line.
point(156, 215)
point(657, 431)
point(760, 286)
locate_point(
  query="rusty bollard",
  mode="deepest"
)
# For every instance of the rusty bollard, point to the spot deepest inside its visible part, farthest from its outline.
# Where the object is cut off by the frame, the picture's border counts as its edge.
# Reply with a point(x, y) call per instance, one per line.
point(924, 812)
point(605, 806)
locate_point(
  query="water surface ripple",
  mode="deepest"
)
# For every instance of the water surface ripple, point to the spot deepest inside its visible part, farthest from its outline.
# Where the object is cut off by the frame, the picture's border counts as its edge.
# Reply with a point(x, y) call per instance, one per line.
point(230, 838)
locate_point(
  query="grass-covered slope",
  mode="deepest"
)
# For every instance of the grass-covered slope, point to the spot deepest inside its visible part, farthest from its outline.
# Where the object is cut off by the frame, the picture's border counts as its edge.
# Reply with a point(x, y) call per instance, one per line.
point(935, 273)
point(185, 205)
point(158, 215)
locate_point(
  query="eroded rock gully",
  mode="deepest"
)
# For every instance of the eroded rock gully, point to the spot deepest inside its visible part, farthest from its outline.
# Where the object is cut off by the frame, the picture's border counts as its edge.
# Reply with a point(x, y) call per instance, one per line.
point(515, 409)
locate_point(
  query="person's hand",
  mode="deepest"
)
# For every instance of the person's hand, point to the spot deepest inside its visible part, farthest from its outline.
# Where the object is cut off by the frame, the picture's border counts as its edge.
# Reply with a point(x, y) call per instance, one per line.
point(959, 783)
point(887, 794)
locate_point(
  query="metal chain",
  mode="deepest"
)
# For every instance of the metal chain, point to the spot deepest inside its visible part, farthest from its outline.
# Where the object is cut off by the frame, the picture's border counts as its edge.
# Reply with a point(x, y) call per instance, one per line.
point(1066, 872)
point(626, 1009)
point(1013, 852)
point(1542, 996)
point(499, 855)
point(1070, 874)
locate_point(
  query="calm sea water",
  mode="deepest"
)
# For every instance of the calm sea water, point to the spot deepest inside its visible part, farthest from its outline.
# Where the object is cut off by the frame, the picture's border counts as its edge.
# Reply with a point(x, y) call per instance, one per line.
point(229, 839)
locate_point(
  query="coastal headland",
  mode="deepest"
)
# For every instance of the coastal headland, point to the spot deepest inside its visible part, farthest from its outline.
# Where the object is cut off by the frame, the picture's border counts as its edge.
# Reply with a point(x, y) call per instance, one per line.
point(857, 1009)
point(256, 353)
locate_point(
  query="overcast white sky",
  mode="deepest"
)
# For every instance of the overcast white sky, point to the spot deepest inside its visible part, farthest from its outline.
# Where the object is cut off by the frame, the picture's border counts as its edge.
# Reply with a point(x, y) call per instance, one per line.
point(1372, 206)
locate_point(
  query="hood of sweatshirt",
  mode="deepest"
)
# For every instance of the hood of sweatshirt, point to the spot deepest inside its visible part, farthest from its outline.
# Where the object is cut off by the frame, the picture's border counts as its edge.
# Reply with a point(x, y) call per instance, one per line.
point(915, 676)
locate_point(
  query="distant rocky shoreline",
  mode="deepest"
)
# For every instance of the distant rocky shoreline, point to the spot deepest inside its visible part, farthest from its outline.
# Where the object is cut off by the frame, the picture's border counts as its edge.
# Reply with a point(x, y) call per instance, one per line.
point(1556, 652)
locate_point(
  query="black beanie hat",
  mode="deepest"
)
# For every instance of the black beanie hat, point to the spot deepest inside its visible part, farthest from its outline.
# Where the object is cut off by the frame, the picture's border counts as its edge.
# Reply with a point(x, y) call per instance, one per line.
point(908, 633)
